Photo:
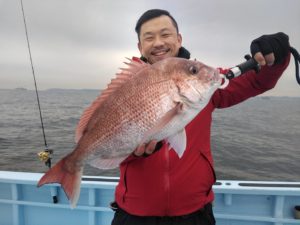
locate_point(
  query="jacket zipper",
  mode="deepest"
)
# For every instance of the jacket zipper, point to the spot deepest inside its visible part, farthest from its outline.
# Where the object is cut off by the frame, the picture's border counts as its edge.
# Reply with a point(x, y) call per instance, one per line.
point(125, 183)
point(167, 180)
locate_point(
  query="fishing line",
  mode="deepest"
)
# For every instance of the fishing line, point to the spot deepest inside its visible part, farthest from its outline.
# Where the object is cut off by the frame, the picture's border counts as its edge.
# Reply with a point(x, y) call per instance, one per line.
point(45, 155)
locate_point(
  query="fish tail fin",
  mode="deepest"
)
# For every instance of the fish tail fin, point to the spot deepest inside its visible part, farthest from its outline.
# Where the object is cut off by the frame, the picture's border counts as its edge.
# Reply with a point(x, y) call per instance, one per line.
point(70, 181)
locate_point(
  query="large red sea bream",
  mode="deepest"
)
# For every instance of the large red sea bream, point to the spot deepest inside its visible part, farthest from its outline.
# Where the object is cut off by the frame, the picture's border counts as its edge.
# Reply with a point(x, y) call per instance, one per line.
point(144, 102)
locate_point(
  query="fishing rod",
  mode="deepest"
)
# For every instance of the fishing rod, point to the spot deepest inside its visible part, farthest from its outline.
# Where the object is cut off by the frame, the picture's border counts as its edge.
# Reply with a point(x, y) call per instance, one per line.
point(252, 64)
point(45, 155)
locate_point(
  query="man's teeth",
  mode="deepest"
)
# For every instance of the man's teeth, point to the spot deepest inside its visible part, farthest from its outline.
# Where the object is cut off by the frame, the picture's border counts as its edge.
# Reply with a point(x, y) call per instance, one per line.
point(160, 53)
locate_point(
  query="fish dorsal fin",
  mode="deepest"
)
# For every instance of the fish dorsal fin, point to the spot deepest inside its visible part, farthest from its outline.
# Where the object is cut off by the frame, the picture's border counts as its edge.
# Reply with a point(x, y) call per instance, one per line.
point(135, 65)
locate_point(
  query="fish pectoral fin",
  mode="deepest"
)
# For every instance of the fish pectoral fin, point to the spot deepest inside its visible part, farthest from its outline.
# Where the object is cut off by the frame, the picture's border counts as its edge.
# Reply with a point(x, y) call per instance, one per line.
point(178, 142)
point(162, 122)
point(106, 164)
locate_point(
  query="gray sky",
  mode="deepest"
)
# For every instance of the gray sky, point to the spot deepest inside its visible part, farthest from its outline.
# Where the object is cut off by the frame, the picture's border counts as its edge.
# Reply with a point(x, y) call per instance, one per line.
point(82, 43)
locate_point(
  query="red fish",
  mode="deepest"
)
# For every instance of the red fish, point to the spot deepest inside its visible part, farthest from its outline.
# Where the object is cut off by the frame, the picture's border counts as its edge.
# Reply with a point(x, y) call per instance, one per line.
point(144, 102)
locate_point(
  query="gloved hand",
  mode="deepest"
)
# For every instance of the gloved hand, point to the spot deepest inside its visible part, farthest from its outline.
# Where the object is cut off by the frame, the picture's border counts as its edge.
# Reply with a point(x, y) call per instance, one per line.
point(270, 49)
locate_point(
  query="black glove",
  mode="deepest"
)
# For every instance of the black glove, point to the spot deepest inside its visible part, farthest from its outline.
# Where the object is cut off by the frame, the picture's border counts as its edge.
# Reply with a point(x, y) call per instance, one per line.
point(277, 43)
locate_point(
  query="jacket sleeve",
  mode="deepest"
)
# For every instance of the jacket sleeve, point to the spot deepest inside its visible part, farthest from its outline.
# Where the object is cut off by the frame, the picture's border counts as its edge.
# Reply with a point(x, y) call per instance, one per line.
point(249, 85)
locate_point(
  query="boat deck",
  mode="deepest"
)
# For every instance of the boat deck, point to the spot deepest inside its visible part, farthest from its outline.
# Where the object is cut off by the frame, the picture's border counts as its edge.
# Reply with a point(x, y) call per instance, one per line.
point(236, 202)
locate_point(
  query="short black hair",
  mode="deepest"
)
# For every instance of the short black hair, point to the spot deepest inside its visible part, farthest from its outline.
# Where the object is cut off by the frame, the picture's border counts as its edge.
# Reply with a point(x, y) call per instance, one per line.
point(151, 14)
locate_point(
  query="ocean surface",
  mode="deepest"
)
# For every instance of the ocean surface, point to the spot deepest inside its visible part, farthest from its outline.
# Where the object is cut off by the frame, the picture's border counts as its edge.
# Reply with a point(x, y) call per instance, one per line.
point(258, 139)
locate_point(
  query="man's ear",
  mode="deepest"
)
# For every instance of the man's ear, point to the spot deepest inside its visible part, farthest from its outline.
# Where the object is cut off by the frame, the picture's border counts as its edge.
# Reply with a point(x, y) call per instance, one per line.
point(179, 38)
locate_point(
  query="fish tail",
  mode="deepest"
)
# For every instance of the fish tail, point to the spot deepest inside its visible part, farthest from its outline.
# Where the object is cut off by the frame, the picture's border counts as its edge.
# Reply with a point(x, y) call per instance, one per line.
point(69, 180)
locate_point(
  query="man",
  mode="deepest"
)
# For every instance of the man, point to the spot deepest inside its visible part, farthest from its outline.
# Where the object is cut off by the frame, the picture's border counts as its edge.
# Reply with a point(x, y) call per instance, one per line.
point(156, 187)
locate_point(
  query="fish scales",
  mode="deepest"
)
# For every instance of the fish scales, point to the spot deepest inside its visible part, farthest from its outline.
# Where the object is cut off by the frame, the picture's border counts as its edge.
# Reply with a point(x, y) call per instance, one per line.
point(144, 102)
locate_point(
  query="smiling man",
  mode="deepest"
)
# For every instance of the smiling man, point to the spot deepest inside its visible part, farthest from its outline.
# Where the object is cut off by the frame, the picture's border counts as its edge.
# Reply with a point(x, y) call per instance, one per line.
point(159, 38)
point(158, 187)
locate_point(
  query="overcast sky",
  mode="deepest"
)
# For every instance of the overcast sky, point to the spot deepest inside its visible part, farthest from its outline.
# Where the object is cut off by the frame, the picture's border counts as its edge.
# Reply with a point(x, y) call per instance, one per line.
point(82, 43)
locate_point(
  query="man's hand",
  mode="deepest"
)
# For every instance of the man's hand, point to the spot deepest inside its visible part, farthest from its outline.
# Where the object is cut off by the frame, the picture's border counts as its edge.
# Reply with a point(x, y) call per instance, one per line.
point(147, 149)
point(270, 49)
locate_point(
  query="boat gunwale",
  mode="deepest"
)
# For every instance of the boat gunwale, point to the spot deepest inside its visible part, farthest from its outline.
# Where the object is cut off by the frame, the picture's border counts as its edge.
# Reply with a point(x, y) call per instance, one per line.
point(221, 186)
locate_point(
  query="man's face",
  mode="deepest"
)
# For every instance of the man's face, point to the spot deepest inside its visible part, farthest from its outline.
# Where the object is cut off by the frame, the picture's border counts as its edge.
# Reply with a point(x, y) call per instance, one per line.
point(159, 39)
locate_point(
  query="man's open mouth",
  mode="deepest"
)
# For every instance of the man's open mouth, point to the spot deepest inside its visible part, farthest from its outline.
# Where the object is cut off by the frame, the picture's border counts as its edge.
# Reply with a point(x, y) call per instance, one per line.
point(160, 52)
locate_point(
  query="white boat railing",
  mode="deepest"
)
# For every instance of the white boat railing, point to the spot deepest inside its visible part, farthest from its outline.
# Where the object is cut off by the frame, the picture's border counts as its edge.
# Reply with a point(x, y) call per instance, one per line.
point(236, 202)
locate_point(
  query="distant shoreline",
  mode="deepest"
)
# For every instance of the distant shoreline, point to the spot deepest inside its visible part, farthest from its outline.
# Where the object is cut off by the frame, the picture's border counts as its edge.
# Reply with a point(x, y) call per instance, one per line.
point(99, 90)
point(50, 89)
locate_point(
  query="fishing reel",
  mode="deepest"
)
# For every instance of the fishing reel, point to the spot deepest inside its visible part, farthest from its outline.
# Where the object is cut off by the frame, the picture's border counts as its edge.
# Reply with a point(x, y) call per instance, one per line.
point(46, 156)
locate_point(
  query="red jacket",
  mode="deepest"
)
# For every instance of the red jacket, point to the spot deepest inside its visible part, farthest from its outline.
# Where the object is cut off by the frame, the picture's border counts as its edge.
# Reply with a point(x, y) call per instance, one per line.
point(164, 184)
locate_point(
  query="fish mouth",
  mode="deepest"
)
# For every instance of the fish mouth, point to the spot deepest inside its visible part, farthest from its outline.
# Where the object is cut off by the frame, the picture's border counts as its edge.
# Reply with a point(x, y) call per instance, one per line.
point(223, 81)
point(215, 78)
point(219, 79)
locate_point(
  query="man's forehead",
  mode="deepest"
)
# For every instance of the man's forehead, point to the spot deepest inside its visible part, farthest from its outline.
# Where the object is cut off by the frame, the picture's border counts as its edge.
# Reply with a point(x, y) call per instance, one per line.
point(157, 24)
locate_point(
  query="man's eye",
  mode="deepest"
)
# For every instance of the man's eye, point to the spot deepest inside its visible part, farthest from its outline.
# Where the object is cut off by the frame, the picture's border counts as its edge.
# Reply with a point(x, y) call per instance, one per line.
point(166, 35)
point(148, 38)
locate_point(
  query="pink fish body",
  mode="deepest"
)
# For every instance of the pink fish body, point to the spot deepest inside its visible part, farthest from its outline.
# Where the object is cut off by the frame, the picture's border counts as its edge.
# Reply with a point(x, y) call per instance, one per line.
point(144, 102)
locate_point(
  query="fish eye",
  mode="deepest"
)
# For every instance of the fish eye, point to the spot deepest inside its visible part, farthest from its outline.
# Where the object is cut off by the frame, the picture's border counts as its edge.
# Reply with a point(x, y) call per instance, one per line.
point(193, 70)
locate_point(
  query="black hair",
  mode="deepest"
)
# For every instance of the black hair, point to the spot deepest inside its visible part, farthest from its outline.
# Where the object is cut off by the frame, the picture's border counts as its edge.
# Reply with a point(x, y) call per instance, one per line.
point(151, 14)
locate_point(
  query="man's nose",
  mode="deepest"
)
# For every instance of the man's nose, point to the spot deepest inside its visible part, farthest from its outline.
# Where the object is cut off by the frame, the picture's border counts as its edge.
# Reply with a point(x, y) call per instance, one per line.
point(158, 42)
